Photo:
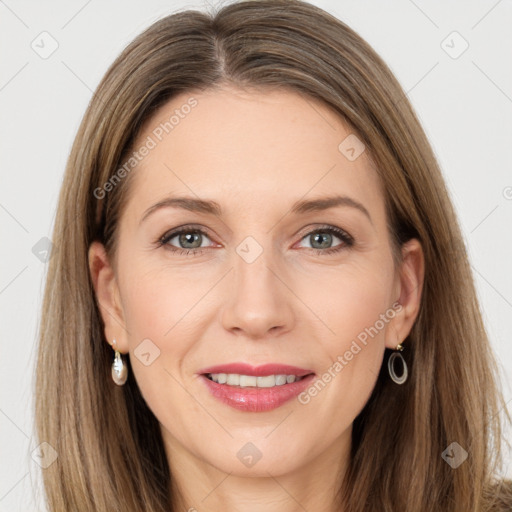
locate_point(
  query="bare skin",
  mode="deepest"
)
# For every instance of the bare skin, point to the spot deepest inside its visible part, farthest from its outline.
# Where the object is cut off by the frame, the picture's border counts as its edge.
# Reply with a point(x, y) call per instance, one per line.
point(255, 154)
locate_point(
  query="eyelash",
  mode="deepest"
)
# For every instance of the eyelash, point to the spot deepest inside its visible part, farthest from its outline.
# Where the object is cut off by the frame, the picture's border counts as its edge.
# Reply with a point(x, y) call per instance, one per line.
point(347, 240)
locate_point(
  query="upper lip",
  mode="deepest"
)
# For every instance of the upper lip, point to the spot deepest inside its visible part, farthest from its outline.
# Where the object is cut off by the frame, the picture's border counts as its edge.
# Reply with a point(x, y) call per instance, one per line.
point(258, 371)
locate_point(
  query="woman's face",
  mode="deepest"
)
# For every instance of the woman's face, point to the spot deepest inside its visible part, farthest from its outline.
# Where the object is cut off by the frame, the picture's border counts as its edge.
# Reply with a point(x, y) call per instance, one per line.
point(262, 278)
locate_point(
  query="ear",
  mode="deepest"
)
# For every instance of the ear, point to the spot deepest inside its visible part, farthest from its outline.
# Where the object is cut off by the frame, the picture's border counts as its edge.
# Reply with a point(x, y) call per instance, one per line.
point(410, 286)
point(107, 296)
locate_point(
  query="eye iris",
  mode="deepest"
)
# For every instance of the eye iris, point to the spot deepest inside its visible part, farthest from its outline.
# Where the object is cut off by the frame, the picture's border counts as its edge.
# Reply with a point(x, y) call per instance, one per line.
point(186, 238)
point(325, 241)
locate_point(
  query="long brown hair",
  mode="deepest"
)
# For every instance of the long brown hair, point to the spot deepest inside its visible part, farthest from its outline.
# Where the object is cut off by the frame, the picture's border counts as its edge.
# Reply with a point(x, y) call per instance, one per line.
point(109, 446)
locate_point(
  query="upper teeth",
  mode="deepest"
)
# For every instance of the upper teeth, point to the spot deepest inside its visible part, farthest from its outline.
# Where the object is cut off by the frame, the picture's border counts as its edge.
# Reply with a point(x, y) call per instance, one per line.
point(234, 379)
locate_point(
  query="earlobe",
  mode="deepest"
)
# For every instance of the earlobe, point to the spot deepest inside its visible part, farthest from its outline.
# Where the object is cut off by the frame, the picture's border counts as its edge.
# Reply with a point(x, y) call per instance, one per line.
point(412, 272)
point(107, 295)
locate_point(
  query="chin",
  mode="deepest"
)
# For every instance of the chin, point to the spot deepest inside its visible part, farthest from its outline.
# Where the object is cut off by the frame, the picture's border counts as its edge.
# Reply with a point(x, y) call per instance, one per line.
point(256, 456)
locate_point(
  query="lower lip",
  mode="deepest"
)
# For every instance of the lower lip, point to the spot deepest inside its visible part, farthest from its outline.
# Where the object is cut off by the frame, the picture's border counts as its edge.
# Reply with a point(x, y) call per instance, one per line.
point(252, 399)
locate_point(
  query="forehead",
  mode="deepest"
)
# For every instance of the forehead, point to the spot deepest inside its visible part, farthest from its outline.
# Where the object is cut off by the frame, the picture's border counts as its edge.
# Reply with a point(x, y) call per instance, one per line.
point(250, 148)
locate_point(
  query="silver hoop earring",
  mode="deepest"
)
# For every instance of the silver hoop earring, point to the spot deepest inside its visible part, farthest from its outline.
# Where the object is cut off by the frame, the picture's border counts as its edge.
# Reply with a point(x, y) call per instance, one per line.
point(119, 368)
point(398, 379)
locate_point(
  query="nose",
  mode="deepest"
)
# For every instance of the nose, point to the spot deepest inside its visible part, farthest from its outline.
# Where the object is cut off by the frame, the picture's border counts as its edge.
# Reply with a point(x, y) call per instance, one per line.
point(260, 303)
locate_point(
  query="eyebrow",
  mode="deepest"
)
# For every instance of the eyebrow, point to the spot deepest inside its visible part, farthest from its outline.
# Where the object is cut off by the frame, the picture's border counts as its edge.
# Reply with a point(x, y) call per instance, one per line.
point(213, 208)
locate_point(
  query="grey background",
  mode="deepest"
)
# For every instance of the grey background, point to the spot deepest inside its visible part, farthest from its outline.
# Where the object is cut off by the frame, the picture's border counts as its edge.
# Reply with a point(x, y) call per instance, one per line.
point(464, 102)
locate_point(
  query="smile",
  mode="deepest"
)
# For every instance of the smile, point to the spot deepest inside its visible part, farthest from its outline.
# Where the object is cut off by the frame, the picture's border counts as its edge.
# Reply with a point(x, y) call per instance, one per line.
point(255, 389)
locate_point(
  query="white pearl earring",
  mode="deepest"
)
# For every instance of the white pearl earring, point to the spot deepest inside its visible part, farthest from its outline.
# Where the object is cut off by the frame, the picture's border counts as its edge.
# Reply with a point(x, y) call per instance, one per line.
point(119, 368)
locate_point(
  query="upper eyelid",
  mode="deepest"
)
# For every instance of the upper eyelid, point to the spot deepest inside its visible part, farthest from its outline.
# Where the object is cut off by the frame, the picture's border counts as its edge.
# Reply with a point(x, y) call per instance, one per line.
point(171, 233)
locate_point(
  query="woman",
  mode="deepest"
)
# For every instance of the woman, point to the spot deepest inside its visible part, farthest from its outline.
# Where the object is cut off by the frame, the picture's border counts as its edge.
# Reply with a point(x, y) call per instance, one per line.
point(261, 297)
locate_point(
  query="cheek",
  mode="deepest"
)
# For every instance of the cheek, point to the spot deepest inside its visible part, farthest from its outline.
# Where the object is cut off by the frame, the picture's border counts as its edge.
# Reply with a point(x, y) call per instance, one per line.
point(159, 309)
point(158, 300)
point(355, 306)
point(350, 300)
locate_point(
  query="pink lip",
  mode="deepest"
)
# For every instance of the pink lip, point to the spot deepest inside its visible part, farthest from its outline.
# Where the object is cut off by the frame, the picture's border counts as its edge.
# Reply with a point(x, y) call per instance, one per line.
point(254, 399)
point(258, 371)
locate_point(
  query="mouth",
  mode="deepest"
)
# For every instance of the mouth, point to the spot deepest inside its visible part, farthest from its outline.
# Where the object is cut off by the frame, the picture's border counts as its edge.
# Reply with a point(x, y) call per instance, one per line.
point(255, 389)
